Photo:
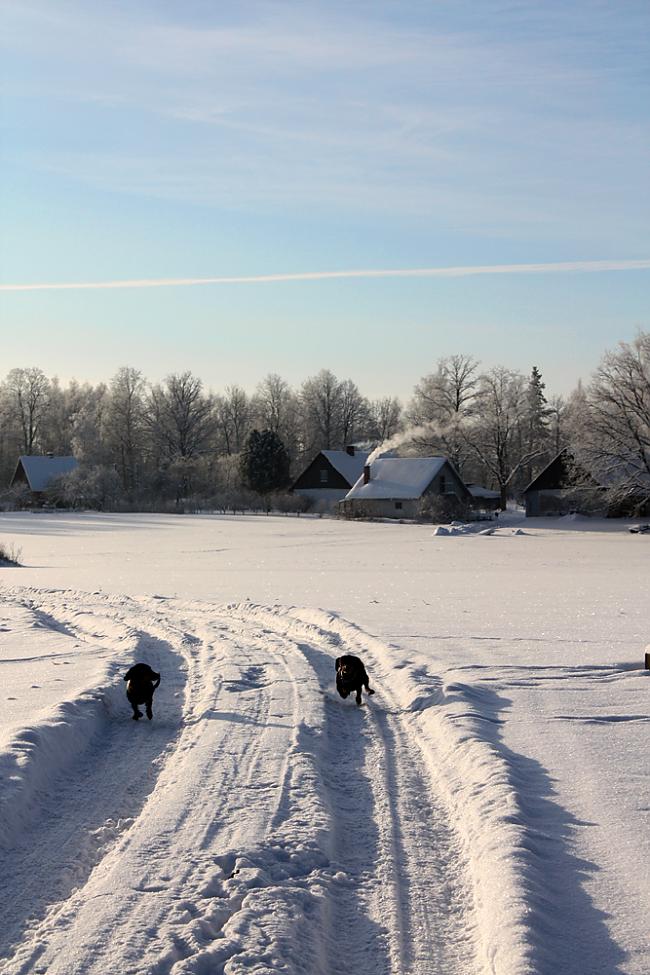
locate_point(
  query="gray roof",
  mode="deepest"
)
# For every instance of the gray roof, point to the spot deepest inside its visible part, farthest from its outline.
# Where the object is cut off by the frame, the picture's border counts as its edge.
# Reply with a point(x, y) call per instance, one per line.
point(40, 470)
point(397, 477)
point(478, 491)
point(348, 465)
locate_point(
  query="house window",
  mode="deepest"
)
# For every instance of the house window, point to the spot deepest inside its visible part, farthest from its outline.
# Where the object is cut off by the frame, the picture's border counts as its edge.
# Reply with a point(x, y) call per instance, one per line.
point(443, 484)
point(323, 476)
point(398, 505)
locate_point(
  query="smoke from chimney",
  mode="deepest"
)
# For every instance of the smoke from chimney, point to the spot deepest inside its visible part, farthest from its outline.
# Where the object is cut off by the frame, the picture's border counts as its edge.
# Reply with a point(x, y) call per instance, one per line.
point(403, 437)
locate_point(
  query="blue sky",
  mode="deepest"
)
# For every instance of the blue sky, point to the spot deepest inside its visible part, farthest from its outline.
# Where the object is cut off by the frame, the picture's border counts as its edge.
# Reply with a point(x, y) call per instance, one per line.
point(167, 140)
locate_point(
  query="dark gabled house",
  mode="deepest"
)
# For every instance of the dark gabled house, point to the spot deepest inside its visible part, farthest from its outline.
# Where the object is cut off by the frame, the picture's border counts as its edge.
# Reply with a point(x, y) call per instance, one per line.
point(38, 472)
point(329, 476)
point(556, 489)
point(564, 487)
point(401, 487)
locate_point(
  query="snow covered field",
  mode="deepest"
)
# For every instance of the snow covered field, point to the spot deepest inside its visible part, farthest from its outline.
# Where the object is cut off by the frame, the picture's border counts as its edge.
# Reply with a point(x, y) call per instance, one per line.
point(487, 811)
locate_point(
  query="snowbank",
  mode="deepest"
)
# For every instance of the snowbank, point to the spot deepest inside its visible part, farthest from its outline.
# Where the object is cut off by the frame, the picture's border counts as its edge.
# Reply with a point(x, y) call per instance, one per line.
point(36, 756)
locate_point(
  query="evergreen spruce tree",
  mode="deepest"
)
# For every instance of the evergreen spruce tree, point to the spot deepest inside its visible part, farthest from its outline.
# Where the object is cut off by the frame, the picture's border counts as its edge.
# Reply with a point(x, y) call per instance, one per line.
point(537, 410)
point(264, 462)
point(536, 434)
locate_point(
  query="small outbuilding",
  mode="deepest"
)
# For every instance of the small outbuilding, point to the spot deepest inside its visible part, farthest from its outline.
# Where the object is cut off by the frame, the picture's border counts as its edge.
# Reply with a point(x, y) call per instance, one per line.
point(329, 476)
point(484, 499)
point(38, 472)
point(406, 487)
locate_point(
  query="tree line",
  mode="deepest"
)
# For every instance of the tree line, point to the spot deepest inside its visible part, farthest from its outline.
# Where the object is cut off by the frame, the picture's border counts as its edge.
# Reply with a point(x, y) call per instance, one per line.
point(144, 445)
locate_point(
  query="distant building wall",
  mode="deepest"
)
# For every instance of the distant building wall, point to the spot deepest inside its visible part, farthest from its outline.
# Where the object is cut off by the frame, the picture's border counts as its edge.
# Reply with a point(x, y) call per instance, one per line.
point(380, 508)
point(447, 482)
point(561, 501)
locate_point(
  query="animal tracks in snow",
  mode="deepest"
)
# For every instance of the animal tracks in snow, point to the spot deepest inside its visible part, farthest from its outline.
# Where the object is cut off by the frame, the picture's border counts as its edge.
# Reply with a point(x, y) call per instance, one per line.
point(257, 824)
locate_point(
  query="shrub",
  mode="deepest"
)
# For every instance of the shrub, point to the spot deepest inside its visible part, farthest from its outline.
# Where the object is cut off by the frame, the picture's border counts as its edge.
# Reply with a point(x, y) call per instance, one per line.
point(443, 508)
point(10, 554)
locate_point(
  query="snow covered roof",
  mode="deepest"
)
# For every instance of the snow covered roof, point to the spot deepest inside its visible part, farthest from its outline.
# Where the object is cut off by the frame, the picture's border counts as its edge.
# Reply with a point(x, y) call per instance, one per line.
point(349, 466)
point(40, 470)
point(478, 491)
point(397, 477)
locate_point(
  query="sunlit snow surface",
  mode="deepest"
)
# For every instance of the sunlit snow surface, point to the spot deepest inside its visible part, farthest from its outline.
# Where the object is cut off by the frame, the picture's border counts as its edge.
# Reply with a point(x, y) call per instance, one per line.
point(487, 811)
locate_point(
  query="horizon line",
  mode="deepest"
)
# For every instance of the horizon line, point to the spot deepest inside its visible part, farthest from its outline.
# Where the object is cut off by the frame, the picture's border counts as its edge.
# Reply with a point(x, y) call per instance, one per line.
point(424, 272)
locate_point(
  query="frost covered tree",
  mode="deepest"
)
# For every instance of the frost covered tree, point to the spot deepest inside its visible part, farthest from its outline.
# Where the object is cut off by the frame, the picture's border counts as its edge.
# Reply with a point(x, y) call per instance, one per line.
point(557, 416)
point(611, 421)
point(493, 434)
point(442, 402)
point(65, 405)
point(123, 425)
point(232, 415)
point(180, 424)
point(272, 402)
point(321, 401)
point(57, 426)
point(179, 416)
point(355, 413)
point(275, 408)
point(264, 462)
point(536, 409)
point(534, 427)
point(449, 391)
point(86, 424)
point(385, 418)
point(26, 394)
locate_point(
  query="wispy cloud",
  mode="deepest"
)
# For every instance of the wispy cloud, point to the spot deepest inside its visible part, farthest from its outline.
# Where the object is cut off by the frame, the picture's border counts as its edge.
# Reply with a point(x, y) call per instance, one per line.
point(419, 272)
point(507, 122)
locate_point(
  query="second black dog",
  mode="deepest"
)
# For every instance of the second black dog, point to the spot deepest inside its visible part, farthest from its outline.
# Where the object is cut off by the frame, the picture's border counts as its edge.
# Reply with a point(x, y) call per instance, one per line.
point(351, 676)
point(142, 681)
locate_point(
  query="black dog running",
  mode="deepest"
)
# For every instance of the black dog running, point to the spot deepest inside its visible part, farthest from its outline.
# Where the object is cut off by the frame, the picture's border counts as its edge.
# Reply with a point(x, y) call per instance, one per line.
point(351, 676)
point(142, 681)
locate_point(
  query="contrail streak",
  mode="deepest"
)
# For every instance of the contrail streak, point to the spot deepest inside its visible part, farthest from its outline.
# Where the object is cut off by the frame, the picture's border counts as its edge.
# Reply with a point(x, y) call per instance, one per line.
point(419, 272)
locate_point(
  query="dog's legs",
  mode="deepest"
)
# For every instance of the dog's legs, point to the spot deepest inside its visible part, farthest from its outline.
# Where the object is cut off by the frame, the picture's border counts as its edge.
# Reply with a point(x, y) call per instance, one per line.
point(359, 694)
point(148, 706)
point(137, 713)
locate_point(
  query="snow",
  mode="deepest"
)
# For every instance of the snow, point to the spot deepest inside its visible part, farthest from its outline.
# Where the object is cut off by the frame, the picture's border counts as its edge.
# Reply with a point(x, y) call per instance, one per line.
point(397, 477)
point(485, 812)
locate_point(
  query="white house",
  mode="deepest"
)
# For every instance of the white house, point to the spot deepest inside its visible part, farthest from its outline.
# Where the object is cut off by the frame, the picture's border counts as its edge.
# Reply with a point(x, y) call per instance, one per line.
point(398, 487)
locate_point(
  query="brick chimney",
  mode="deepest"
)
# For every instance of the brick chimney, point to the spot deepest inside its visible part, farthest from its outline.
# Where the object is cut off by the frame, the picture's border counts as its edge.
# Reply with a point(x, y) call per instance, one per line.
point(366, 474)
point(349, 449)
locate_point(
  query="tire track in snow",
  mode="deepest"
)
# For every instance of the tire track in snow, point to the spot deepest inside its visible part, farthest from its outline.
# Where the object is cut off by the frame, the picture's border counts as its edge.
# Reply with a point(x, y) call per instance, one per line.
point(415, 888)
point(432, 903)
point(285, 830)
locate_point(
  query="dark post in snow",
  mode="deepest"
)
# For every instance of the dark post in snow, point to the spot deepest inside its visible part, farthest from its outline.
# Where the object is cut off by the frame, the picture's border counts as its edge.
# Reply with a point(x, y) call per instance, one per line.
point(647, 660)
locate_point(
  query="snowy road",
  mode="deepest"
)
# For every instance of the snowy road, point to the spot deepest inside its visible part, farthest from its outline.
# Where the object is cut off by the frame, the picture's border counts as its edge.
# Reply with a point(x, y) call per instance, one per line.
point(259, 823)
